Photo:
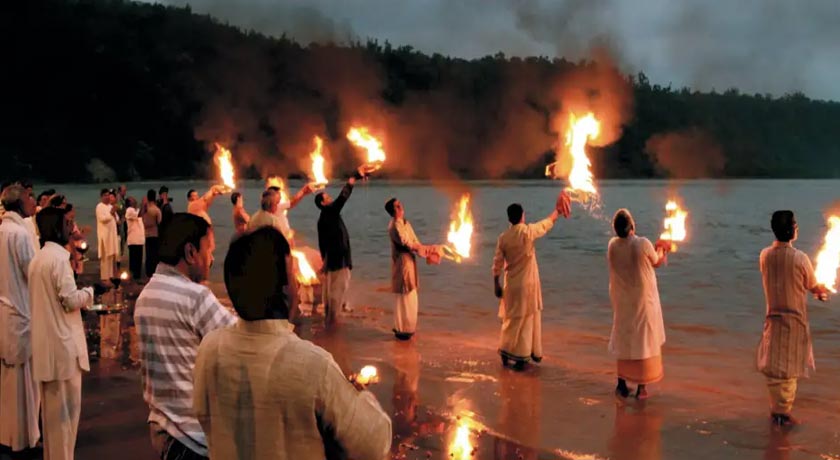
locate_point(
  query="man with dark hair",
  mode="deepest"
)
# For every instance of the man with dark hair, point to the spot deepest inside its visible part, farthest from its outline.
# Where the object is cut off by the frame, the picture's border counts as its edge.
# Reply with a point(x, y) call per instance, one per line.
point(44, 199)
point(404, 279)
point(152, 218)
point(334, 243)
point(785, 352)
point(298, 401)
point(108, 247)
point(240, 215)
point(638, 331)
point(200, 205)
point(19, 395)
point(59, 349)
point(165, 205)
point(172, 315)
point(521, 304)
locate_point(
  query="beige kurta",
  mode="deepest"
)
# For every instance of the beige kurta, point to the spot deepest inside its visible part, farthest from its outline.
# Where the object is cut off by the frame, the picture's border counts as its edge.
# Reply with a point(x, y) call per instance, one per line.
point(261, 392)
point(638, 331)
point(785, 349)
point(521, 302)
point(19, 397)
point(264, 219)
point(106, 232)
point(404, 278)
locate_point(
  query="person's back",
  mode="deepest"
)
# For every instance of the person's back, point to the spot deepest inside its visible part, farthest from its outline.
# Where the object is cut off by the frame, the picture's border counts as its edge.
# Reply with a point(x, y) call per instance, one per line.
point(517, 245)
point(632, 275)
point(787, 277)
point(151, 220)
point(263, 393)
point(172, 315)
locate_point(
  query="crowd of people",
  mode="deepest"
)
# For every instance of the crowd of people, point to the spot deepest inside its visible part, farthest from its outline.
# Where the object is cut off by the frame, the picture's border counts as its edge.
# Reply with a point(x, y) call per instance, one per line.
point(223, 384)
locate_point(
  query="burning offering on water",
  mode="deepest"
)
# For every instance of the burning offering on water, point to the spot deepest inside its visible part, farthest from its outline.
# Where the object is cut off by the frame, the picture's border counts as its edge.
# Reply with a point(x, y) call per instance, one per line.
point(460, 231)
point(366, 376)
point(305, 275)
point(225, 164)
point(361, 137)
point(581, 186)
point(828, 259)
point(674, 224)
point(319, 177)
point(461, 448)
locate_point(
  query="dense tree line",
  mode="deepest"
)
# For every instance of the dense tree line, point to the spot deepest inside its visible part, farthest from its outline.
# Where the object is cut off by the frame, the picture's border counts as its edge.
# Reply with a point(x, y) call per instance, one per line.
point(95, 88)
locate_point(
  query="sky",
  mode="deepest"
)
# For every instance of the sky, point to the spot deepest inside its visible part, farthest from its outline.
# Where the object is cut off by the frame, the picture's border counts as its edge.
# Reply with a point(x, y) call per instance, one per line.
point(757, 46)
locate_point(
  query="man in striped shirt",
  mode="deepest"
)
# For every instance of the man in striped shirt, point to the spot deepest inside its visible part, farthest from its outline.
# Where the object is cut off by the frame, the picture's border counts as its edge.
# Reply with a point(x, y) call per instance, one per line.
point(785, 353)
point(173, 313)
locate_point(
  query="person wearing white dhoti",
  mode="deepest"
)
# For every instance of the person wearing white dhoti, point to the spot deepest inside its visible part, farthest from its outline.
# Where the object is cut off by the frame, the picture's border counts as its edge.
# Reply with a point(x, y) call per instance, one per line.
point(19, 398)
point(59, 349)
point(785, 353)
point(520, 305)
point(638, 331)
point(106, 233)
point(404, 279)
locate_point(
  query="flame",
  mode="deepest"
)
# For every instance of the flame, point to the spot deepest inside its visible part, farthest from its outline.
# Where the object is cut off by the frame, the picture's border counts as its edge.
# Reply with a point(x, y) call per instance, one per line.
point(277, 181)
point(361, 137)
point(579, 133)
point(674, 224)
point(367, 375)
point(305, 274)
point(318, 162)
point(83, 246)
point(461, 228)
point(223, 160)
point(828, 259)
point(461, 447)
point(124, 276)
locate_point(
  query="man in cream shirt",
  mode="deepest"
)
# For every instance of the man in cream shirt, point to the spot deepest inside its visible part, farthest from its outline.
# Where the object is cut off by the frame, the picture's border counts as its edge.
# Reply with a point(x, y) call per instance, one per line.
point(261, 391)
point(59, 350)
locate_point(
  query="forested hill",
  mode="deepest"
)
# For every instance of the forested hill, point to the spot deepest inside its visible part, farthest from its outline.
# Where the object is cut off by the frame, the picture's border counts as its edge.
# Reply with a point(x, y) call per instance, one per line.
point(116, 90)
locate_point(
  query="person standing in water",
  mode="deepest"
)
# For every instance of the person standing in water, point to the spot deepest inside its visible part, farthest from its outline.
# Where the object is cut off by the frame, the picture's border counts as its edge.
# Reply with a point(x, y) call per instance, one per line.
point(785, 353)
point(520, 306)
point(638, 331)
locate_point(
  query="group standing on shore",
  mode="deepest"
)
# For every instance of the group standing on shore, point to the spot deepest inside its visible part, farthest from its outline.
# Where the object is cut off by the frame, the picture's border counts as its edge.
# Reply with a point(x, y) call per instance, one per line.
point(198, 357)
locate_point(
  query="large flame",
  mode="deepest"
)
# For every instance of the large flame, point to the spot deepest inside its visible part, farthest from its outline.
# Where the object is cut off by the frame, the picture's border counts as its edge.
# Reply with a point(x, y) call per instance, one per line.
point(461, 228)
point(828, 259)
point(277, 181)
point(361, 137)
point(223, 160)
point(674, 224)
point(461, 447)
point(318, 163)
point(579, 133)
point(305, 274)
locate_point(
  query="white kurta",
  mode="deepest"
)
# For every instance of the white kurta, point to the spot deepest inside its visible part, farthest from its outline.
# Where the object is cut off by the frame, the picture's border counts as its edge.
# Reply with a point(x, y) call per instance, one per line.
point(59, 350)
point(19, 401)
point(517, 259)
point(106, 232)
point(638, 331)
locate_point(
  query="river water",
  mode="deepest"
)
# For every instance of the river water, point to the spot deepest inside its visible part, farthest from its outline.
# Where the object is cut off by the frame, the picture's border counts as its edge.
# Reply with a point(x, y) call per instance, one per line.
point(712, 403)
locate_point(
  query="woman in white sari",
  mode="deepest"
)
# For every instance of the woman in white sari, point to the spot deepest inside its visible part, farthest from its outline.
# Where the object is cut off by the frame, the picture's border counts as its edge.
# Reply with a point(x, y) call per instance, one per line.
point(638, 331)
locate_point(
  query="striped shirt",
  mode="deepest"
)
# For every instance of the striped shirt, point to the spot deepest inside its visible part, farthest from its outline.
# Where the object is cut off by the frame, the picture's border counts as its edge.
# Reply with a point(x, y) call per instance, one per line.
point(172, 315)
point(785, 349)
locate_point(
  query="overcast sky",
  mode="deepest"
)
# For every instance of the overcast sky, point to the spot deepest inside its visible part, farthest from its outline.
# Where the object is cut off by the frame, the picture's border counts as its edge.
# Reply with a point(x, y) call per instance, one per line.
point(775, 46)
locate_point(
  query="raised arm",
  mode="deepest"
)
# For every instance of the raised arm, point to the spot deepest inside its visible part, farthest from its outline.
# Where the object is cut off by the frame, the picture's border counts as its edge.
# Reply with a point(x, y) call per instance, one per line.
point(342, 197)
point(354, 418)
point(211, 194)
point(305, 190)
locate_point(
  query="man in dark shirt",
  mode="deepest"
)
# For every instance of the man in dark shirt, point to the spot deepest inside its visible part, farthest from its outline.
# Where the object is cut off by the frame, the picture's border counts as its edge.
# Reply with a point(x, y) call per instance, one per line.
point(165, 205)
point(334, 243)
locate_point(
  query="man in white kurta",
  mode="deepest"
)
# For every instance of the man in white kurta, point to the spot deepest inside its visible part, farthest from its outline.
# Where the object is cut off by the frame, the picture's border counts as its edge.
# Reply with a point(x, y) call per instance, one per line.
point(284, 205)
point(521, 303)
point(19, 399)
point(638, 331)
point(59, 350)
point(106, 232)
